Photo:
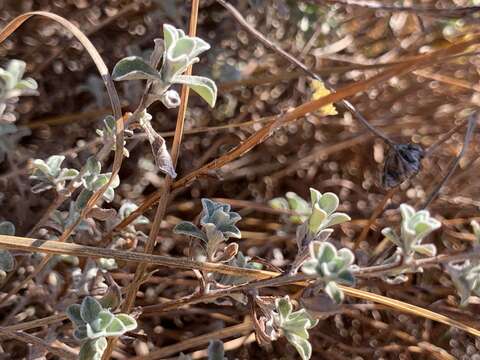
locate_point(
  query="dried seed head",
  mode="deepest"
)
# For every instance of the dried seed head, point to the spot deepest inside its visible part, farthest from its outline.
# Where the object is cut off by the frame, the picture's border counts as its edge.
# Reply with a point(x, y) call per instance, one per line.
point(401, 163)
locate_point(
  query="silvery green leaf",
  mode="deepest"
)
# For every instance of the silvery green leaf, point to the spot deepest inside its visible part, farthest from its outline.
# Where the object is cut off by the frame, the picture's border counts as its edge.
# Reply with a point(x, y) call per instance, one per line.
point(315, 247)
point(80, 333)
point(284, 308)
point(129, 323)
point(170, 99)
point(315, 196)
point(16, 68)
point(116, 328)
point(134, 68)
point(93, 166)
point(170, 35)
point(303, 346)
point(231, 231)
point(329, 202)
point(93, 349)
point(203, 86)
point(346, 277)
point(214, 236)
point(67, 174)
point(279, 203)
point(326, 252)
point(109, 194)
point(100, 181)
point(200, 47)
point(7, 79)
point(7, 228)
point(189, 229)
point(309, 267)
point(407, 211)
point(83, 198)
point(90, 309)
point(390, 234)
point(54, 162)
point(323, 235)
point(7, 262)
point(174, 67)
point(316, 218)
point(92, 334)
point(297, 204)
point(346, 255)
point(215, 350)
point(325, 269)
point(181, 47)
point(103, 319)
point(337, 218)
point(27, 84)
point(427, 249)
point(39, 164)
point(334, 292)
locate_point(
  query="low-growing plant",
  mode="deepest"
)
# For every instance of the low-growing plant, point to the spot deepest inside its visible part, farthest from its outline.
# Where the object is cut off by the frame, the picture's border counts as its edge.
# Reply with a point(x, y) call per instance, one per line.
point(94, 323)
point(294, 325)
point(331, 266)
point(50, 174)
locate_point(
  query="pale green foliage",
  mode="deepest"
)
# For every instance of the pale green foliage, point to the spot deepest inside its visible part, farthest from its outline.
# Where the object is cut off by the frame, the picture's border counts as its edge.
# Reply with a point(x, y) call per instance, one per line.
point(239, 261)
point(93, 180)
point(415, 226)
point(93, 323)
point(178, 51)
point(108, 133)
point(324, 213)
point(331, 266)
point(12, 83)
point(218, 225)
point(7, 262)
point(315, 218)
point(50, 174)
point(320, 211)
point(466, 276)
point(294, 325)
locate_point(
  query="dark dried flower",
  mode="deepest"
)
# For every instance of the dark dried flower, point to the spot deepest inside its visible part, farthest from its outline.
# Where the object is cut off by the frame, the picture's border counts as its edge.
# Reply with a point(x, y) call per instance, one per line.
point(401, 163)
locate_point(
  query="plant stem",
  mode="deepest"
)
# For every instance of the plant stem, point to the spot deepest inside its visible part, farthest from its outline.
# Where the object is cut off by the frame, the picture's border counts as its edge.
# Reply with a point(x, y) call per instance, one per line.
point(165, 192)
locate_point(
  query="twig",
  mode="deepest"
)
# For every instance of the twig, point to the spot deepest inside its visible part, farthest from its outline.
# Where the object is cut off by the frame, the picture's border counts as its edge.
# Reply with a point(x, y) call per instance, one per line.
point(30, 339)
point(453, 166)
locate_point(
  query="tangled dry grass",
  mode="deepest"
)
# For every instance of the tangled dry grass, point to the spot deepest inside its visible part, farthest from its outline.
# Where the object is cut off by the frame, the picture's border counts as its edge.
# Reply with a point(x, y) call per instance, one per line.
point(344, 42)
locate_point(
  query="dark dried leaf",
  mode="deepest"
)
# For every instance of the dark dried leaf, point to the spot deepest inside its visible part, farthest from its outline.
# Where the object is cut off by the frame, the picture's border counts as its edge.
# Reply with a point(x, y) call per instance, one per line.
point(401, 163)
point(159, 149)
point(101, 214)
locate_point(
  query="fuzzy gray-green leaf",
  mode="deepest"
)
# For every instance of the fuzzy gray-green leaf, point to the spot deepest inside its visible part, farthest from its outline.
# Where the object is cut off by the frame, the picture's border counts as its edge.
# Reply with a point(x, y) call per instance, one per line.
point(90, 309)
point(134, 68)
point(203, 86)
